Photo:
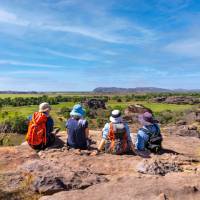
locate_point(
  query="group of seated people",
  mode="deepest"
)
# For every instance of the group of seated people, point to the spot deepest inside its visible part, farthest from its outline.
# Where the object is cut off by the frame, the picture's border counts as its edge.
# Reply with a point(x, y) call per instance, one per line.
point(116, 136)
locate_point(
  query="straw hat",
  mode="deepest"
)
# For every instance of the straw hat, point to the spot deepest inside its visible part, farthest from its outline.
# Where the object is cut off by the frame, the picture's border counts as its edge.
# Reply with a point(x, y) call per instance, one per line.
point(44, 107)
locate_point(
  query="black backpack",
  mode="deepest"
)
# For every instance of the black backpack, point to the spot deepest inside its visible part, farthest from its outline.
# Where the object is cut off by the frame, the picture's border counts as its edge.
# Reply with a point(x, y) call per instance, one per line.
point(154, 143)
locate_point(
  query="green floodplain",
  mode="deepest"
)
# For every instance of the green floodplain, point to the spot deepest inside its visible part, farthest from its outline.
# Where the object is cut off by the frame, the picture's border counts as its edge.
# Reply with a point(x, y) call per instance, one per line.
point(114, 101)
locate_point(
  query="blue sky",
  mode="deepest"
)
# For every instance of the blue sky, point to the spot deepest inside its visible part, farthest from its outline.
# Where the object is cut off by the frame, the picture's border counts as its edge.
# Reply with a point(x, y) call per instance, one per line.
point(77, 45)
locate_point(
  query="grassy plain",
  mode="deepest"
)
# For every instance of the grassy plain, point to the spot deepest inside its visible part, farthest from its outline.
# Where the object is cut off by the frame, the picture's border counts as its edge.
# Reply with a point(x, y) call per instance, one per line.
point(26, 111)
point(156, 107)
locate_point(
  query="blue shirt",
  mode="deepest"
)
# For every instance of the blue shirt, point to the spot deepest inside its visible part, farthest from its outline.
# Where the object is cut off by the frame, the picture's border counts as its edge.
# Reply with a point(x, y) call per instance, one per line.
point(142, 137)
point(106, 130)
point(76, 133)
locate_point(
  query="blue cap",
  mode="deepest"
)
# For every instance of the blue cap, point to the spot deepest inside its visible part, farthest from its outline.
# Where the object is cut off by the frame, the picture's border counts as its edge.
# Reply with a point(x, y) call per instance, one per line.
point(77, 111)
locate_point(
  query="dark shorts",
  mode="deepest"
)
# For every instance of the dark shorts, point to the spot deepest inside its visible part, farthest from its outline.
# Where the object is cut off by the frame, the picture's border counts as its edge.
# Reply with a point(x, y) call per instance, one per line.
point(50, 141)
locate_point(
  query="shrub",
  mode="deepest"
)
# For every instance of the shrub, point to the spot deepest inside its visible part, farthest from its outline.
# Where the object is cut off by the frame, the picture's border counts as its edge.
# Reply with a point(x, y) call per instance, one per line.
point(65, 112)
point(14, 124)
point(128, 98)
point(118, 108)
point(100, 122)
point(119, 100)
point(169, 116)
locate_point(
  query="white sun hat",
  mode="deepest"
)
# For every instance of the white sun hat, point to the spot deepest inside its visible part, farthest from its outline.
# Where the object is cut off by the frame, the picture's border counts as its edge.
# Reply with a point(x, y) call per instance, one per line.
point(116, 116)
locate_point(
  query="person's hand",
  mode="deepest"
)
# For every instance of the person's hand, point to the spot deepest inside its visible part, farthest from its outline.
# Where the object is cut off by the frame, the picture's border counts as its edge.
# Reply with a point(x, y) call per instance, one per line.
point(132, 148)
point(94, 153)
point(88, 143)
point(55, 131)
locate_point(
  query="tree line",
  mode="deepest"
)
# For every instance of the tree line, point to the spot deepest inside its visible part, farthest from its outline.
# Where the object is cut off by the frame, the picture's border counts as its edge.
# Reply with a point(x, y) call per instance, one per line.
point(26, 101)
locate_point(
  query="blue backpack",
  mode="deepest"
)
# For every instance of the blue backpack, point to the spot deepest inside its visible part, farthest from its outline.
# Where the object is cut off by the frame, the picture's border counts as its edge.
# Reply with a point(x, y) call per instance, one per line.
point(154, 143)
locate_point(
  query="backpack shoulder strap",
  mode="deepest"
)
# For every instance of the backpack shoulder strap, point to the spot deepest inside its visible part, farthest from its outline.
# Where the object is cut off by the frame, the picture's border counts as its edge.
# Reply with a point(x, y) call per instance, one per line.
point(111, 132)
point(157, 129)
point(146, 131)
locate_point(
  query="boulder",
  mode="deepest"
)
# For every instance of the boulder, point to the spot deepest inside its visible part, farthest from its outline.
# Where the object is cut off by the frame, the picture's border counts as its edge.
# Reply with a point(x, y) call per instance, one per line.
point(181, 122)
point(190, 131)
point(95, 103)
point(159, 99)
point(131, 112)
point(136, 109)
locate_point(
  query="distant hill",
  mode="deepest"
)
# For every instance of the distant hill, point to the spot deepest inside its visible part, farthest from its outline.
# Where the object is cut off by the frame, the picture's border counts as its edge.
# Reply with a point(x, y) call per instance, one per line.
point(138, 90)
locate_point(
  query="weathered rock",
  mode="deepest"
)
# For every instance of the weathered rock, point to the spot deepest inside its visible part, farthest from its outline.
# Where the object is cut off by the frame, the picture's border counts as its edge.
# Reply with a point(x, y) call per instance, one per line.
point(158, 167)
point(159, 99)
point(131, 112)
point(181, 122)
point(171, 186)
point(136, 109)
point(178, 100)
point(182, 100)
point(52, 182)
point(81, 176)
point(95, 103)
point(162, 196)
point(190, 131)
point(48, 185)
point(192, 127)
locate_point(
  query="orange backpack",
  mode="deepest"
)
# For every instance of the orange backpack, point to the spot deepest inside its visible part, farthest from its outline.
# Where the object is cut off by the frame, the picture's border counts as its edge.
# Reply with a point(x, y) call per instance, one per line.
point(36, 134)
point(118, 139)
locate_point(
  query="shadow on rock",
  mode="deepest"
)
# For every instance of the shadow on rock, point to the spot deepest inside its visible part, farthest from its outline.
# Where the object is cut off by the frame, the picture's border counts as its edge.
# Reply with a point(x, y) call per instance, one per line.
point(59, 143)
point(168, 151)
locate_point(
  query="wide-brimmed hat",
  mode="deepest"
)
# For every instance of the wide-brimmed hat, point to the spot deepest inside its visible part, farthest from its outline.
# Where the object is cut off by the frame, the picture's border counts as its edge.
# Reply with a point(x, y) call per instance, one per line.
point(44, 107)
point(77, 111)
point(116, 116)
point(147, 119)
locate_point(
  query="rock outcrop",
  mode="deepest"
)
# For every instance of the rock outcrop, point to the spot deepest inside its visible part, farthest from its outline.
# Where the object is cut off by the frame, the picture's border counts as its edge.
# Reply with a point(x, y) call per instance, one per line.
point(95, 103)
point(178, 100)
point(131, 112)
point(59, 173)
point(184, 130)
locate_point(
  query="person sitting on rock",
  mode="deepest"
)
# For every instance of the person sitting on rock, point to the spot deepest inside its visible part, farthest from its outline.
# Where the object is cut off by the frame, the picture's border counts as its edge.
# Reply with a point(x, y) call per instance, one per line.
point(40, 131)
point(116, 137)
point(77, 129)
point(149, 136)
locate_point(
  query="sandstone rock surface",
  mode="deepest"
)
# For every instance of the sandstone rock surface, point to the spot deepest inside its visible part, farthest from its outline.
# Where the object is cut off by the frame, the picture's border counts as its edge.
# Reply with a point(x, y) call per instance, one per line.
point(58, 173)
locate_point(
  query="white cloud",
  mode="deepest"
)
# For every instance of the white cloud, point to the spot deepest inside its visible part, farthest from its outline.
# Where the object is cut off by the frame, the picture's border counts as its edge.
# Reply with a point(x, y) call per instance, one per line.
point(84, 57)
point(130, 33)
point(106, 28)
point(187, 48)
point(32, 72)
point(11, 18)
point(87, 32)
point(26, 64)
